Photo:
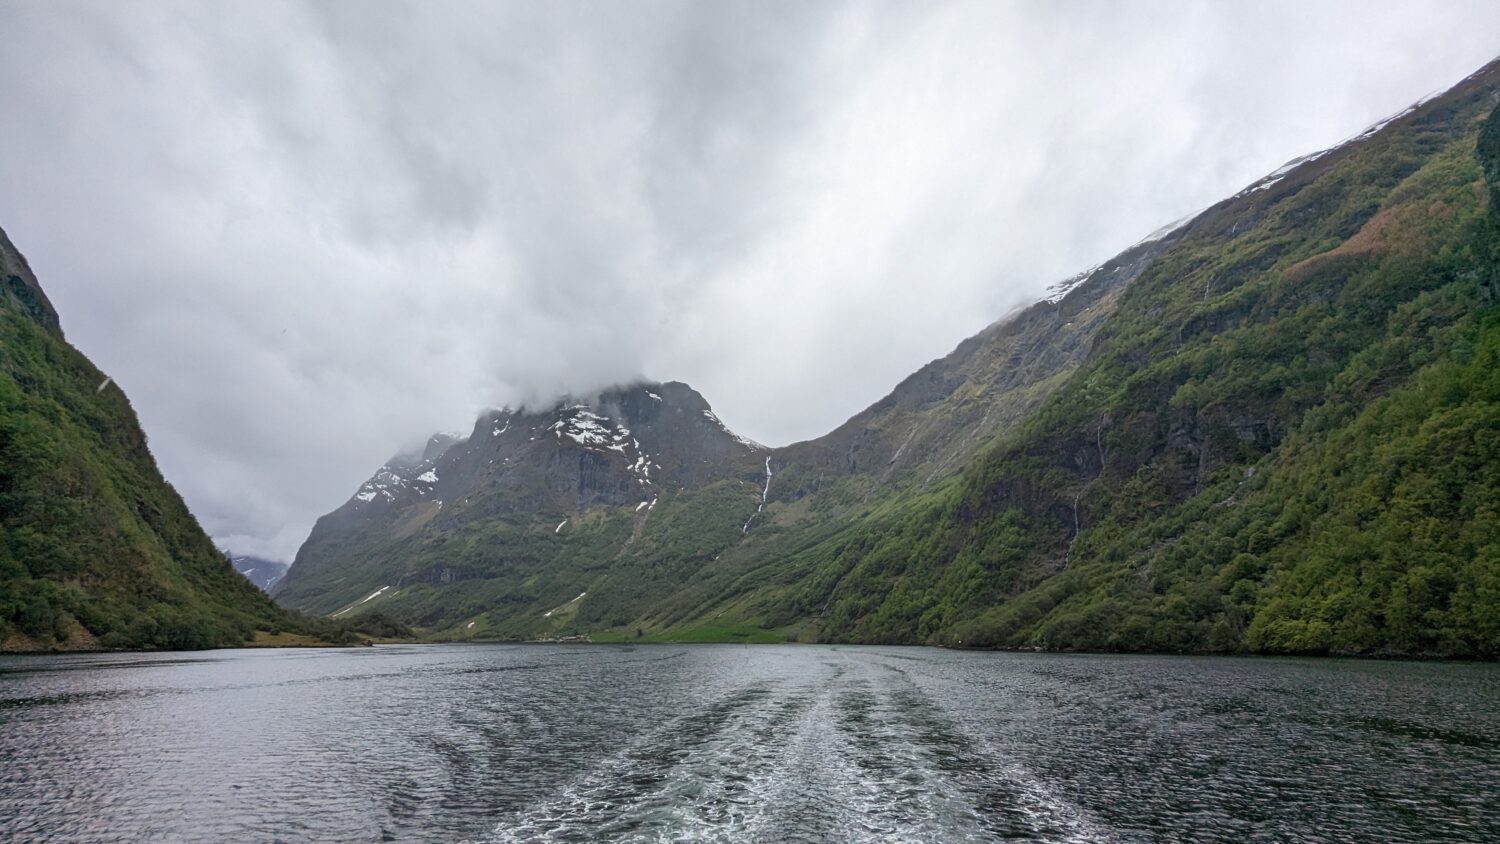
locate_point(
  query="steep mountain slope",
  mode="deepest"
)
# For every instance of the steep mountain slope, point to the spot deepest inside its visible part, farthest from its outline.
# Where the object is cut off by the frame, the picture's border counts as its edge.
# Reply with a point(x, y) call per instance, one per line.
point(528, 508)
point(937, 419)
point(1283, 439)
point(265, 574)
point(1271, 428)
point(96, 549)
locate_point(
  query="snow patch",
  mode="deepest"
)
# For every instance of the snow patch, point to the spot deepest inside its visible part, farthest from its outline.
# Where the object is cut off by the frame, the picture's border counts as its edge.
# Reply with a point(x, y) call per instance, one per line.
point(1056, 292)
point(591, 430)
point(428, 477)
point(384, 485)
point(1269, 180)
point(1169, 228)
point(559, 527)
point(744, 441)
point(372, 596)
point(548, 613)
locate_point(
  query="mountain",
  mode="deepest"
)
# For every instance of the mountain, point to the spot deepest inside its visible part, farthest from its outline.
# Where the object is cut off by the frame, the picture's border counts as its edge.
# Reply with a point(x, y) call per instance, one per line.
point(265, 574)
point(96, 549)
point(489, 508)
point(1283, 439)
point(528, 506)
point(1269, 428)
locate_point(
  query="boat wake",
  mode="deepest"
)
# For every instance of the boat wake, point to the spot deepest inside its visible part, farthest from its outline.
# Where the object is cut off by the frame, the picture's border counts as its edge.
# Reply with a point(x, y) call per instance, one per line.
point(855, 752)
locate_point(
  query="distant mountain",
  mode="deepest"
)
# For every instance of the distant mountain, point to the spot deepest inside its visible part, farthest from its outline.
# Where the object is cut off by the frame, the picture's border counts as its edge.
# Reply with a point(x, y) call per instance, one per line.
point(96, 549)
point(265, 574)
point(1269, 428)
point(513, 513)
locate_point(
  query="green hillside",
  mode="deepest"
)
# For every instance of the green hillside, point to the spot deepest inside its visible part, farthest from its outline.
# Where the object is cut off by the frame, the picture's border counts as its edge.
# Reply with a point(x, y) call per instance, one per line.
point(96, 549)
point(1285, 439)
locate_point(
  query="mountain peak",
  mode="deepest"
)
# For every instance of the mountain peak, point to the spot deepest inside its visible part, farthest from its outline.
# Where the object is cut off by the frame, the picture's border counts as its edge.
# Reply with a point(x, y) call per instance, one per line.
point(617, 451)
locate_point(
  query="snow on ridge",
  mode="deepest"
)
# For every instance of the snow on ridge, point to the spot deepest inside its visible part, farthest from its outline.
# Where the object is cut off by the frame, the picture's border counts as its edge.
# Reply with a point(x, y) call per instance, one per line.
point(428, 477)
point(747, 442)
point(743, 440)
point(1270, 179)
point(1169, 228)
point(1058, 291)
point(1381, 124)
point(384, 485)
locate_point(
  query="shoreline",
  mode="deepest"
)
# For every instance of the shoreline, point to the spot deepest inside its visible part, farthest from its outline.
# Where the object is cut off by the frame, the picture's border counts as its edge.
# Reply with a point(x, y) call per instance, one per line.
point(298, 642)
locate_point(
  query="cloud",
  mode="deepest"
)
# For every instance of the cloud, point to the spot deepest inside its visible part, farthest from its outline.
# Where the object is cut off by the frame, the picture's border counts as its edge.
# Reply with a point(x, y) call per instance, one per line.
point(303, 235)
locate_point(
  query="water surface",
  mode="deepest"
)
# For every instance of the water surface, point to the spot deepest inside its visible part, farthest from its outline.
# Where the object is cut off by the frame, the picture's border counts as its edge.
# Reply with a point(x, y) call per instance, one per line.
point(732, 743)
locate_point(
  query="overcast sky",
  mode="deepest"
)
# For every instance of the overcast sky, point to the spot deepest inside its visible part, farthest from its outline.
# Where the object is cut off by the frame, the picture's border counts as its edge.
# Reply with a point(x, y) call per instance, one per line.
point(302, 235)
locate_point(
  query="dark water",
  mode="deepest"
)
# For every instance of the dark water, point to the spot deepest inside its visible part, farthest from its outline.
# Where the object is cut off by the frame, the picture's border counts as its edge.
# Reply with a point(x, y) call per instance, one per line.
point(521, 743)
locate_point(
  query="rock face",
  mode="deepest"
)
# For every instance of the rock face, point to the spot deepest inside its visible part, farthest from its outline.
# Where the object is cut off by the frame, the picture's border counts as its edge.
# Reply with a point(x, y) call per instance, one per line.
point(624, 448)
point(614, 449)
point(265, 574)
point(1267, 428)
point(96, 549)
point(934, 422)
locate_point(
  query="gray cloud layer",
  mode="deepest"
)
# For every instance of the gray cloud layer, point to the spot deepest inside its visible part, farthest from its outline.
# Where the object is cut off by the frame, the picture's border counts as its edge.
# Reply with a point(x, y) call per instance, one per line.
point(303, 234)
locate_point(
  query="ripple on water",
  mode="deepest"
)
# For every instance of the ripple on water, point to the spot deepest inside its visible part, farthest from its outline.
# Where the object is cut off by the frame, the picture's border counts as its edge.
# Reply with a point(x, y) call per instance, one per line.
point(770, 744)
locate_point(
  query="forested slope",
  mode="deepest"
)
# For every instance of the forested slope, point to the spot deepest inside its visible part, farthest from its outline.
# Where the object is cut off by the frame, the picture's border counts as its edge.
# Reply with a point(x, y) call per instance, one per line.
point(1286, 438)
point(96, 549)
